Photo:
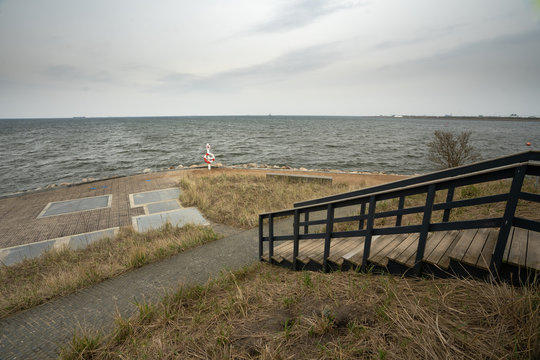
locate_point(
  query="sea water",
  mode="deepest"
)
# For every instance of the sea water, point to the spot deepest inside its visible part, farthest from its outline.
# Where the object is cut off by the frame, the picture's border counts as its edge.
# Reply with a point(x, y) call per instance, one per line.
point(38, 152)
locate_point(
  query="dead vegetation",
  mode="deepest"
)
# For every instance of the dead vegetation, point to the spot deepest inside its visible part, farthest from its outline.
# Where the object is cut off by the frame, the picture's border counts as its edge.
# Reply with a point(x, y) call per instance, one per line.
point(236, 200)
point(60, 272)
point(264, 312)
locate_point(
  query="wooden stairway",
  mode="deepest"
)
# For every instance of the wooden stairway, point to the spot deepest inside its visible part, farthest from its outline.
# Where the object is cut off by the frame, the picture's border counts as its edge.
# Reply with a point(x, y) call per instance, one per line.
point(454, 252)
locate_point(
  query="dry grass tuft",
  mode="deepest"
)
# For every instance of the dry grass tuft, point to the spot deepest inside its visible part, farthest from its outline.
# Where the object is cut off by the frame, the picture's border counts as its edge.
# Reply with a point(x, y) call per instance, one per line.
point(60, 272)
point(236, 200)
point(264, 312)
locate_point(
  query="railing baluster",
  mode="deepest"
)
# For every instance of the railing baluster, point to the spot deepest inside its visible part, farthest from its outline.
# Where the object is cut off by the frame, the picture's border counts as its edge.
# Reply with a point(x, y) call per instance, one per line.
point(449, 198)
point(400, 207)
point(270, 237)
point(329, 230)
point(362, 213)
point(508, 217)
point(261, 234)
point(295, 240)
point(369, 230)
point(306, 219)
point(425, 230)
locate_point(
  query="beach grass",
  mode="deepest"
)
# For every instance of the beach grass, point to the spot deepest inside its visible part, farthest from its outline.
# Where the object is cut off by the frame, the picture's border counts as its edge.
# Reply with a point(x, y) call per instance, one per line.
point(60, 272)
point(267, 312)
point(237, 199)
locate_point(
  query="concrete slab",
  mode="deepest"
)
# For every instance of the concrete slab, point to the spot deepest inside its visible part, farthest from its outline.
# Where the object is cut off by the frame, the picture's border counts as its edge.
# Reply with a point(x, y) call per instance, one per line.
point(76, 205)
point(147, 197)
point(176, 217)
point(162, 206)
point(15, 254)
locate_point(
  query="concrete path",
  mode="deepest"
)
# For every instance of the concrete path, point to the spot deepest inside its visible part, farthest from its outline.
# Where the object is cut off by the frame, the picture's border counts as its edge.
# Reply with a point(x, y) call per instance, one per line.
point(39, 333)
point(24, 216)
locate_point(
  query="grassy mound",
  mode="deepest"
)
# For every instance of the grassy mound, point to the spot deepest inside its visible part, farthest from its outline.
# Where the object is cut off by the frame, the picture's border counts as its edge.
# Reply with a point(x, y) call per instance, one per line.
point(236, 200)
point(60, 272)
point(266, 312)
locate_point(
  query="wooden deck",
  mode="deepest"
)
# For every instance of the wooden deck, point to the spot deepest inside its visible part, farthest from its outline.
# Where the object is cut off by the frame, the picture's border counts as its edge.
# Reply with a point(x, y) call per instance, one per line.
point(447, 252)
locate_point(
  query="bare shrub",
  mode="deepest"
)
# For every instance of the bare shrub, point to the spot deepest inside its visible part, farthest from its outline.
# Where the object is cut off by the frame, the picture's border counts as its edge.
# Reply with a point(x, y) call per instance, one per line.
point(448, 149)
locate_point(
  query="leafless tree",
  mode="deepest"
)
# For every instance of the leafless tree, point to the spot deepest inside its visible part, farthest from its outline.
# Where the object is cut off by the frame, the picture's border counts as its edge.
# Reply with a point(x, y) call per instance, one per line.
point(448, 149)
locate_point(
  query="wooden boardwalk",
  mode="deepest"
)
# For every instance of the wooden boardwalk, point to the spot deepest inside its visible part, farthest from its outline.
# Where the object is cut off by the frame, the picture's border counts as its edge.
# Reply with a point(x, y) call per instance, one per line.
point(446, 252)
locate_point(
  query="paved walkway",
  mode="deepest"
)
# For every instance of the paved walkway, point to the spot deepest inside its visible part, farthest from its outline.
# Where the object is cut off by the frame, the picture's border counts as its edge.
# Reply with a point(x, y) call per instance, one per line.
point(21, 223)
point(39, 333)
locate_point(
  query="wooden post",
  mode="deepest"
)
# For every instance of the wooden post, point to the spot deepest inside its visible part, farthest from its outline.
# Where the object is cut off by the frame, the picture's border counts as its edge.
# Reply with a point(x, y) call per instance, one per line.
point(261, 220)
point(362, 212)
point(306, 219)
point(369, 229)
point(270, 238)
point(428, 209)
point(296, 244)
point(329, 230)
point(449, 198)
point(400, 207)
point(508, 218)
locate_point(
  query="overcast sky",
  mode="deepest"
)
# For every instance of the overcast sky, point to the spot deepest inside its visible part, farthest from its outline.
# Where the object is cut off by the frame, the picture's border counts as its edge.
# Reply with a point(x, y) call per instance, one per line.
point(64, 58)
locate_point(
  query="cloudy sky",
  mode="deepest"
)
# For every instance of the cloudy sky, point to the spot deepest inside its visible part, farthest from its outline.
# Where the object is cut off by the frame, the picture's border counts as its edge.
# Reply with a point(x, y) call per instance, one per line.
point(63, 58)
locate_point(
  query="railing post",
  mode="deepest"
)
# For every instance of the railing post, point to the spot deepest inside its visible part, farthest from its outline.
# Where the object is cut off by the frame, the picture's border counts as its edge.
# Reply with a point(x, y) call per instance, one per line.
point(369, 230)
point(508, 218)
point(270, 238)
point(329, 230)
point(306, 219)
point(362, 213)
point(261, 220)
point(400, 207)
point(425, 230)
point(449, 198)
point(296, 244)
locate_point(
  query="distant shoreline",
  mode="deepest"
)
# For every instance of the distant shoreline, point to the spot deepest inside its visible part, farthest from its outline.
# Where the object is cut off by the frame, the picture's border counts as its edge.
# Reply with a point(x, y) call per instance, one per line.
point(277, 116)
point(480, 118)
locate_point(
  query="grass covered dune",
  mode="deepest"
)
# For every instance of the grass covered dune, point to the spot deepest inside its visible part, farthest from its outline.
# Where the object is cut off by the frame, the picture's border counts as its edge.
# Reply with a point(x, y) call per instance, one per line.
point(265, 312)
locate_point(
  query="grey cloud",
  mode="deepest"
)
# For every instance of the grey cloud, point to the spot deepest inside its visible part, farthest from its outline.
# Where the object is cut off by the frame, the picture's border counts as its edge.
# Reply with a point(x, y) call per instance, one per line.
point(506, 64)
point(433, 34)
point(287, 65)
point(300, 13)
point(68, 73)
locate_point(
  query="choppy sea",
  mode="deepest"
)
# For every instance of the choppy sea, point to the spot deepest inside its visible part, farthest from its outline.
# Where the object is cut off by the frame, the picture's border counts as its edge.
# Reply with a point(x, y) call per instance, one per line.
point(37, 152)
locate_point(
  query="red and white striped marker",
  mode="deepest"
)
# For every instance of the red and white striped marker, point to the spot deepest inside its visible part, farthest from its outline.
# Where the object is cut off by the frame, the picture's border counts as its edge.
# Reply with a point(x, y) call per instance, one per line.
point(209, 158)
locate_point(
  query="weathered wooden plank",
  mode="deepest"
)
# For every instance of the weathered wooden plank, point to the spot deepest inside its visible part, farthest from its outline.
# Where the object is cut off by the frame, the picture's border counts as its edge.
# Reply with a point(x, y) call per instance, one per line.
point(277, 249)
point(408, 257)
point(378, 243)
point(434, 239)
point(349, 245)
point(485, 256)
point(382, 256)
point(285, 250)
point(508, 245)
point(316, 250)
point(306, 247)
point(444, 261)
point(334, 245)
point(475, 248)
point(463, 244)
point(378, 252)
point(354, 252)
point(533, 250)
point(355, 256)
point(518, 250)
point(410, 240)
point(441, 248)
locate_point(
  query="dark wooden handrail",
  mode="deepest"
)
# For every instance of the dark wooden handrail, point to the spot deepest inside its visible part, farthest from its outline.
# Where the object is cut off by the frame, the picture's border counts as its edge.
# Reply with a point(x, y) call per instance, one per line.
point(427, 185)
point(532, 155)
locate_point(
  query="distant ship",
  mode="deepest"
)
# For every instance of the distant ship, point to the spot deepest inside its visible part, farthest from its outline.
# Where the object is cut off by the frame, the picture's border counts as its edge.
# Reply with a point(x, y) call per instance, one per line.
point(79, 117)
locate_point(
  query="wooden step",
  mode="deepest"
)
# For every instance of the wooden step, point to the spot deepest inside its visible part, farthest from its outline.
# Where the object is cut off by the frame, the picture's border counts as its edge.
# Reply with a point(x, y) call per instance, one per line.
point(533, 251)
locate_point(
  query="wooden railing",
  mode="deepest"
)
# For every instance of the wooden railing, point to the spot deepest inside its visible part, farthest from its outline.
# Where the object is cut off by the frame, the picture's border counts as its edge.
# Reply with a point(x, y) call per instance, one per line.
point(364, 203)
